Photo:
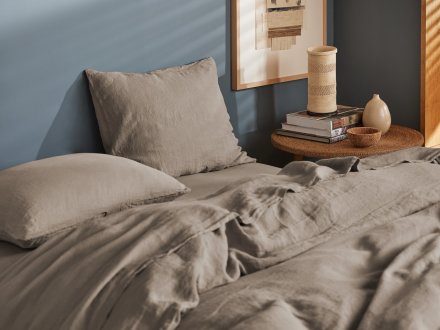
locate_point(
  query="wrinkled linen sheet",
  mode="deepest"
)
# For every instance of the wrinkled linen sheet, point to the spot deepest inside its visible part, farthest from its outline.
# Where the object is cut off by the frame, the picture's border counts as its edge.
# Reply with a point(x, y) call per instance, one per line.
point(341, 244)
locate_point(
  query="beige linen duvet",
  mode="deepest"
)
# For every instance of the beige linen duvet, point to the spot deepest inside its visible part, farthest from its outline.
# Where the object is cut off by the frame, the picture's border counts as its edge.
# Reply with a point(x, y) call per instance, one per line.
point(342, 244)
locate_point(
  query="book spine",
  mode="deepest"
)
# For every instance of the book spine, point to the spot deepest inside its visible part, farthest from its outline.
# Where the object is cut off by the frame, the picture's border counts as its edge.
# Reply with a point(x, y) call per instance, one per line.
point(342, 130)
point(337, 138)
point(328, 125)
point(308, 123)
point(316, 131)
point(346, 121)
point(312, 137)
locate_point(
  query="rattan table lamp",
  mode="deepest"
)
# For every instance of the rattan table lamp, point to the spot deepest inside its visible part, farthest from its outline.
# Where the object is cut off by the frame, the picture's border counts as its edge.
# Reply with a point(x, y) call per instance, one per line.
point(322, 80)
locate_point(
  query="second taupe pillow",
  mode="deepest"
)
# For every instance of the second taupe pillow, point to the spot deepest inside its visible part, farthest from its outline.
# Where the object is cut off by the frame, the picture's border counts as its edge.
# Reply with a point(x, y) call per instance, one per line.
point(40, 198)
point(174, 119)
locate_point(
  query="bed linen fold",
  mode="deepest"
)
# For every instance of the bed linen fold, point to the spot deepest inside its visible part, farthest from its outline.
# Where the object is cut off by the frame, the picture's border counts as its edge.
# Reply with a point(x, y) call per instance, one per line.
point(163, 265)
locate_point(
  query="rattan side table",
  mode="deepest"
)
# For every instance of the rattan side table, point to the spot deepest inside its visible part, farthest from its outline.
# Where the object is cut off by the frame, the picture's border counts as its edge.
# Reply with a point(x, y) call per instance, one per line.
point(398, 137)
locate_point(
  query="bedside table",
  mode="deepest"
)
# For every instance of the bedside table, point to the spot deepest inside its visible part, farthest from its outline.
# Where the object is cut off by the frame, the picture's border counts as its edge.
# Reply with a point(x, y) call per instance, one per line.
point(398, 137)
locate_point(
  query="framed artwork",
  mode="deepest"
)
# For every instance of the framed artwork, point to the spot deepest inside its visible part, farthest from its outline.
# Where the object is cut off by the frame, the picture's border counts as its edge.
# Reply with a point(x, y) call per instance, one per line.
point(270, 39)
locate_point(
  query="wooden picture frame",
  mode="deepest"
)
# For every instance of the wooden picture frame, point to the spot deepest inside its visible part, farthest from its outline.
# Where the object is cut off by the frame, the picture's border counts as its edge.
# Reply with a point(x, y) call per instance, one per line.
point(430, 72)
point(280, 52)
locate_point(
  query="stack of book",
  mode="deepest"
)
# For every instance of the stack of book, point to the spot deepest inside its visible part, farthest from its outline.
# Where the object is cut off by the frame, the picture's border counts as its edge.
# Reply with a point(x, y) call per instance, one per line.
point(328, 129)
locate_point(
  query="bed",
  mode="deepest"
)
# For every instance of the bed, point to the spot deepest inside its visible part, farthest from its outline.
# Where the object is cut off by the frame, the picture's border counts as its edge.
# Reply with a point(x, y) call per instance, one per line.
point(136, 239)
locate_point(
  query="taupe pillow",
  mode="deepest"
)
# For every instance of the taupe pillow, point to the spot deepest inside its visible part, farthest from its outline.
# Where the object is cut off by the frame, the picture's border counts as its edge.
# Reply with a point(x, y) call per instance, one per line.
point(40, 198)
point(174, 119)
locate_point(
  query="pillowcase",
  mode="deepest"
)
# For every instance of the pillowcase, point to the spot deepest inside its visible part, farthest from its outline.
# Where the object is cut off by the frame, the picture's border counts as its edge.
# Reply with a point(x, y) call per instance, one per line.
point(174, 120)
point(40, 198)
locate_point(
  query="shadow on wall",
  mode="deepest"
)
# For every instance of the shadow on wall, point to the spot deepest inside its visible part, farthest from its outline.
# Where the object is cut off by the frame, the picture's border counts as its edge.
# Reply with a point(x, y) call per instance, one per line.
point(380, 58)
point(45, 105)
point(75, 128)
point(46, 108)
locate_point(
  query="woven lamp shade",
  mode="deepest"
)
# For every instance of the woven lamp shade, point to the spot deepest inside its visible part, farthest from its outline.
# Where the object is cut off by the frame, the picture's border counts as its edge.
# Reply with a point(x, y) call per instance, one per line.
point(322, 80)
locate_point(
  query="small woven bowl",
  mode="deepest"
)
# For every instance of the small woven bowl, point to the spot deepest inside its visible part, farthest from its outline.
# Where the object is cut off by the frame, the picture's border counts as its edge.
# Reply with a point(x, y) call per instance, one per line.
point(362, 137)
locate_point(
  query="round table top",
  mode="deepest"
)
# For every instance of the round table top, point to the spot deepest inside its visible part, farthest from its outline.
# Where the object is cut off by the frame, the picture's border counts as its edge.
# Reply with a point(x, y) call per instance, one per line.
point(398, 137)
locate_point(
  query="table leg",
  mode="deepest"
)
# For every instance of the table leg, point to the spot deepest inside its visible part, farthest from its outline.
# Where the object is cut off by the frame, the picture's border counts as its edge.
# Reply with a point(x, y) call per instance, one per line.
point(298, 157)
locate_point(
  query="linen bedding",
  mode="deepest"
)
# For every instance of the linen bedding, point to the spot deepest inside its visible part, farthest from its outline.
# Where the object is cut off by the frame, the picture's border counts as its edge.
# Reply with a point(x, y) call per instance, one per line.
point(340, 244)
point(200, 184)
point(204, 184)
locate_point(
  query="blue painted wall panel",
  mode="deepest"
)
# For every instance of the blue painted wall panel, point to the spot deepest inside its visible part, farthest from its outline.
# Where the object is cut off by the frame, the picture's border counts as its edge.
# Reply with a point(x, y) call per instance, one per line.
point(45, 106)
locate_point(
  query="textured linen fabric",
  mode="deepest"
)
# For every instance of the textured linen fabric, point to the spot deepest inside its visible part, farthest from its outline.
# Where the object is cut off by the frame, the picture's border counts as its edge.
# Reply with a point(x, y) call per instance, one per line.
point(39, 198)
point(201, 185)
point(342, 244)
point(173, 119)
point(204, 184)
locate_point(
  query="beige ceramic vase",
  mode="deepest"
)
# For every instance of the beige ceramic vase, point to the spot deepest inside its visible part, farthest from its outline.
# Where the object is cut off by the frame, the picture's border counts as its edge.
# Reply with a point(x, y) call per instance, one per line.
point(377, 114)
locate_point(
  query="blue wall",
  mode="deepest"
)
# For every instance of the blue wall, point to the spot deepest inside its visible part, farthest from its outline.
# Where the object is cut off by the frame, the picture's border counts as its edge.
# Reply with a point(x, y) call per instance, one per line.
point(45, 106)
point(379, 52)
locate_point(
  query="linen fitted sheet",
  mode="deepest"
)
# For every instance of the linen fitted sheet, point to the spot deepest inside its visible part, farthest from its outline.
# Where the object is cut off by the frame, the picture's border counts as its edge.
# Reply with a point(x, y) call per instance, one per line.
point(201, 185)
point(204, 184)
point(340, 244)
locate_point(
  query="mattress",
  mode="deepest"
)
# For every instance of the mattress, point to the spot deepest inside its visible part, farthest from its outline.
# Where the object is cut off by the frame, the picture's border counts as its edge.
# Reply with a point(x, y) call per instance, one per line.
point(201, 185)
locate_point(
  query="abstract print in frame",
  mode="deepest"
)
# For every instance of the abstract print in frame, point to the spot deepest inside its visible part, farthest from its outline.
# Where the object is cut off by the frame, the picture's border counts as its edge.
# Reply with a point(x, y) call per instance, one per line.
point(270, 39)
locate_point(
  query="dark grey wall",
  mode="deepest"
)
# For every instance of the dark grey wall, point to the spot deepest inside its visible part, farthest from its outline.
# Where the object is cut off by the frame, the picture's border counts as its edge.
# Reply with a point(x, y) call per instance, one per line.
point(379, 52)
point(45, 106)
